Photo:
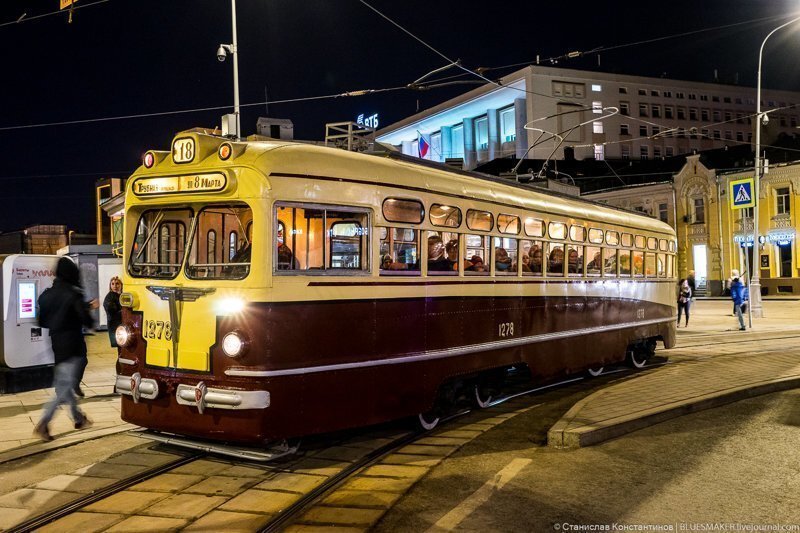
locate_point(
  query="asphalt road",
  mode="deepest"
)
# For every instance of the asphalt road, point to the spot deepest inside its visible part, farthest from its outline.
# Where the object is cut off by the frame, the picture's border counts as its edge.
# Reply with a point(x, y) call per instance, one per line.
point(734, 465)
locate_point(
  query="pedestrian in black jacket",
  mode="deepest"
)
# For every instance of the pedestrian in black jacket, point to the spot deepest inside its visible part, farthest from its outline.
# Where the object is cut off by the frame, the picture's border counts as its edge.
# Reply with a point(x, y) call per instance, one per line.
point(64, 312)
point(113, 309)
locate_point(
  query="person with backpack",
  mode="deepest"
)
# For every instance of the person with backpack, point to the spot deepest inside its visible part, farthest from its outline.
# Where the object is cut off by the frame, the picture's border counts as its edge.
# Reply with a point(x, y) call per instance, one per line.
point(738, 297)
point(64, 312)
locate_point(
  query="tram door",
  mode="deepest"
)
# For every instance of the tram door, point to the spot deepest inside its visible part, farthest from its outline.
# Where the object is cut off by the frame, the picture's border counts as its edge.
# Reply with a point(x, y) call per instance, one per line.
point(700, 265)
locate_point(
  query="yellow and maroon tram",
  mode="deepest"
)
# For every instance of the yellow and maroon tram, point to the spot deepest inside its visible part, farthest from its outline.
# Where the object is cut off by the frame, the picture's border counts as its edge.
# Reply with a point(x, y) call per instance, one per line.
point(276, 289)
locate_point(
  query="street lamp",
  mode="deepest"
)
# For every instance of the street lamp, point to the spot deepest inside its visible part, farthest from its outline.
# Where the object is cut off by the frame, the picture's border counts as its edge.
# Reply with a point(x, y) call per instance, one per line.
point(755, 284)
point(222, 53)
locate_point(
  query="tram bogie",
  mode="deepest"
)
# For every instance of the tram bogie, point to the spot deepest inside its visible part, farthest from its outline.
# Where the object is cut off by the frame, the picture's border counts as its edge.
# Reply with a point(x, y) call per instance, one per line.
point(275, 290)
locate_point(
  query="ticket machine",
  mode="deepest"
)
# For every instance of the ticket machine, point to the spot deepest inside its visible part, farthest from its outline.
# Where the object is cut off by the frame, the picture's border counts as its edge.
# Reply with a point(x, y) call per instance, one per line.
point(23, 344)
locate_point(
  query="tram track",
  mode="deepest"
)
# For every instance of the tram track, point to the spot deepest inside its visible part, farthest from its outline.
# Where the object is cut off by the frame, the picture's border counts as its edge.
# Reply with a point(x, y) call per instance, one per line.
point(311, 497)
point(43, 519)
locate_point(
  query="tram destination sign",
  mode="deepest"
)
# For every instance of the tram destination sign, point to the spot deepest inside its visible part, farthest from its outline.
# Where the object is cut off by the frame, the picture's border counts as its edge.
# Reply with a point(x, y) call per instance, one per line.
point(211, 182)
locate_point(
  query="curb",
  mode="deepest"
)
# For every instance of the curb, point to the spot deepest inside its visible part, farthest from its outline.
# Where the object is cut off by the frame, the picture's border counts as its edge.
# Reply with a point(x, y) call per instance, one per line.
point(559, 436)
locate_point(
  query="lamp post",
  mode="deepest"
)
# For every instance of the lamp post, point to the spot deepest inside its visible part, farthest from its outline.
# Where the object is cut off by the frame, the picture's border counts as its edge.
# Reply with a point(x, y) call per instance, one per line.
point(755, 284)
point(233, 49)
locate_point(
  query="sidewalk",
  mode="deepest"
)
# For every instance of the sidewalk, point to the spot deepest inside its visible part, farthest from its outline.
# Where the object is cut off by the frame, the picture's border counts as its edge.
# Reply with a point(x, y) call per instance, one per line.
point(20, 412)
point(712, 365)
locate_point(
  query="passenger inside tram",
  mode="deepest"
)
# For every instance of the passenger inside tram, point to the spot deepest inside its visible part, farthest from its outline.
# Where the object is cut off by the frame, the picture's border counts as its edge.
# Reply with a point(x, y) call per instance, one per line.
point(502, 262)
point(437, 262)
point(556, 262)
point(286, 259)
point(536, 260)
point(476, 264)
point(574, 261)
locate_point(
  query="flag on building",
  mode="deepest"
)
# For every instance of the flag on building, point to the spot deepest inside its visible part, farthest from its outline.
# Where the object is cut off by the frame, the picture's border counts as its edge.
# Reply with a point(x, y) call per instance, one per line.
point(423, 146)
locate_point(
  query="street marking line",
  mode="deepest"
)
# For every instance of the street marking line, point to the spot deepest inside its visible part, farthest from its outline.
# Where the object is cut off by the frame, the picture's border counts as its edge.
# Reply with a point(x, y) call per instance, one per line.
point(460, 512)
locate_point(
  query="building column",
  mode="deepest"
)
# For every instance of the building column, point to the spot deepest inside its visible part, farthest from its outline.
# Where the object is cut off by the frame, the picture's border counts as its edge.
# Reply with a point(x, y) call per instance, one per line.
point(407, 148)
point(520, 119)
point(493, 122)
point(447, 143)
point(470, 157)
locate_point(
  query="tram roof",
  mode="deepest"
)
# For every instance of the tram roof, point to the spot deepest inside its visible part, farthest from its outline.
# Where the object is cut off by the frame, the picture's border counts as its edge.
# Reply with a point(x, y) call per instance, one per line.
point(496, 189)
point(382, 167)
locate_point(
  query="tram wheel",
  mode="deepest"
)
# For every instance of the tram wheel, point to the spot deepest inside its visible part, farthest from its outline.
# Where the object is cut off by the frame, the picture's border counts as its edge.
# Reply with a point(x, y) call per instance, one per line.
point(637, 357)
point(428, 421)
point(594, 372)
point(481, 396)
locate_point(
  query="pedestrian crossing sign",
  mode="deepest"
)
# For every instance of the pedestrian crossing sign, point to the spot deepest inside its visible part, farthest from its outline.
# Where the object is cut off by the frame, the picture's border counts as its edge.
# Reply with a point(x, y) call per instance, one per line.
point(741, 193)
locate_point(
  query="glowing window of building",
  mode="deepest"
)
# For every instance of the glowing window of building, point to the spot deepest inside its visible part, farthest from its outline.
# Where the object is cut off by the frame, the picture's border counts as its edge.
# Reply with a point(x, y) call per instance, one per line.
point(596, 88)
point(457, 141)
point(597, 127)
point(435, 153)
point(482, 133)
point(599, 152)
point(597, 107)
point(508, 127)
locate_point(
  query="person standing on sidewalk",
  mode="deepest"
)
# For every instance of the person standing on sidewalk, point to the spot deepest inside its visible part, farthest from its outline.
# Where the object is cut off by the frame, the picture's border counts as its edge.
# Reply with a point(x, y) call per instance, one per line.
point(684, 300)
point(64, 312)
point(737, 295)
point(113, 309)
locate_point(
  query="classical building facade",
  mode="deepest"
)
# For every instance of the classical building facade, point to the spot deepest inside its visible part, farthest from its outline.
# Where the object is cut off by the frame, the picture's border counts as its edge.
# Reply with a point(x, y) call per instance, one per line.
point(713, 238)
point(656, 118)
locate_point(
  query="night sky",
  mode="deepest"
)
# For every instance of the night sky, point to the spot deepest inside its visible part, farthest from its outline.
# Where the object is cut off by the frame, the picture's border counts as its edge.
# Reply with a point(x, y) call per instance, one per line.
point(125, 57)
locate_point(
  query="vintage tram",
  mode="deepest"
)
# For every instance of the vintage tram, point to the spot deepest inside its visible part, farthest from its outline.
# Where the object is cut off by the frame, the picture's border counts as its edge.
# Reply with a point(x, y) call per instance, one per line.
point(276, 289)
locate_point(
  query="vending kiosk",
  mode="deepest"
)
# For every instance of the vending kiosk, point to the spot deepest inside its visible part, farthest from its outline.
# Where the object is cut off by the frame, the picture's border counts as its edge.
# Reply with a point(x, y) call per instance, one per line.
point(26, 359)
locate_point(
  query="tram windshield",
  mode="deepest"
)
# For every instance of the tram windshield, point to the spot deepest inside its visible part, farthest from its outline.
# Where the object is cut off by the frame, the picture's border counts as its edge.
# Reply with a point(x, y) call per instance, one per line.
point(219, 247)
point(160, 242)
point(221, 243)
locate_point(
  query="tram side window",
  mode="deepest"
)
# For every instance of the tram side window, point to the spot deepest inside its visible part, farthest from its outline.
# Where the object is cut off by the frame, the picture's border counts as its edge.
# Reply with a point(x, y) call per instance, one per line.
point(555, 259)
point(595, 257)
point(159, 243)
point(650, 265)
point(211, 256)
point(669, 266)
point(660, 266)
point(575, 260)
point(442, 253)
point(476, 255)
point(531, 254)
point(399, 251)
point(625, 263)
point(610, 262)
point(505, 256)
point(638, 264)
point(321, 239)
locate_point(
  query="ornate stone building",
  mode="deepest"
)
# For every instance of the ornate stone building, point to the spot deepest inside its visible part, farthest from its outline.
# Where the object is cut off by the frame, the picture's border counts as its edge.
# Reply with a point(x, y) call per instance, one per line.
point(713, 238)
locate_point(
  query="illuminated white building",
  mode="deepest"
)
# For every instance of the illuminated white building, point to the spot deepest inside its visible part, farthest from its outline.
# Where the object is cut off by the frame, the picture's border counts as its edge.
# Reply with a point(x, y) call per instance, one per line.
point(656, 118)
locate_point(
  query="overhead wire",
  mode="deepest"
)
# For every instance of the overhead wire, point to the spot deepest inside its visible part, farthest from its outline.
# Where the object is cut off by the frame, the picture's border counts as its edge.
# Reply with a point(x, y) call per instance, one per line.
point(75, 7)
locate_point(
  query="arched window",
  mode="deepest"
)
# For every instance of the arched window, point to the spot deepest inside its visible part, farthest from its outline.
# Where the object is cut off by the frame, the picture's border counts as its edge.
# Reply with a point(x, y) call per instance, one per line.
point(211, 246)
point(233, 240)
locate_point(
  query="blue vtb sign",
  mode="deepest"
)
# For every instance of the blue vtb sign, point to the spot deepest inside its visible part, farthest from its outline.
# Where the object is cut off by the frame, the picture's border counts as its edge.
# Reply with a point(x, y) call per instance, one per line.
point(742, 193)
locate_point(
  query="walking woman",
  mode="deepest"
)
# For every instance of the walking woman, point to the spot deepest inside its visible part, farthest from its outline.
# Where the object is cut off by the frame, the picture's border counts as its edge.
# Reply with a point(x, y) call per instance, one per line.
point(684, 300)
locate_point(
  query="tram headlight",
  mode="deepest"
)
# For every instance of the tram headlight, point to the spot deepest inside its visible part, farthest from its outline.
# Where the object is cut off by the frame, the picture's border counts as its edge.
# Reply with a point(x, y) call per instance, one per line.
point(124, 335)
point(234, 344)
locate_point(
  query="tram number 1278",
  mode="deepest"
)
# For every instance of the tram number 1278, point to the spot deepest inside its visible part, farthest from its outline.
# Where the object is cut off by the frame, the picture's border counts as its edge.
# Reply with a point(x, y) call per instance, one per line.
point(505, 329)
point(157, 329)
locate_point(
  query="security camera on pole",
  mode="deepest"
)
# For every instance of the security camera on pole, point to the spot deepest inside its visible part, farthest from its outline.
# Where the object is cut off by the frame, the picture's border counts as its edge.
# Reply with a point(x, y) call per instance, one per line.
point(222, 53)
point(761, 118)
